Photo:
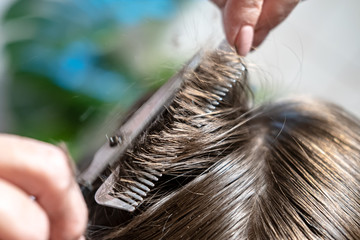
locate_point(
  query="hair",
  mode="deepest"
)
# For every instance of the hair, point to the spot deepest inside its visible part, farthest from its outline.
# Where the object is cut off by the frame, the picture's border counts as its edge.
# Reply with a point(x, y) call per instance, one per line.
point(282, 170)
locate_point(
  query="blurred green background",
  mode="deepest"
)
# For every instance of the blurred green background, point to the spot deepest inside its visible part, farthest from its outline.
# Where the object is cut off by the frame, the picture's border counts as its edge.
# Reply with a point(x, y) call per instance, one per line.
point(70, 69)
point(71, 63)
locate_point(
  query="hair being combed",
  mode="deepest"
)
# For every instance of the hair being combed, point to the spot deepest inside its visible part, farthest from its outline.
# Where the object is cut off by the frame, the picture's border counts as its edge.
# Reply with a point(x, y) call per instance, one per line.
point(285, 170)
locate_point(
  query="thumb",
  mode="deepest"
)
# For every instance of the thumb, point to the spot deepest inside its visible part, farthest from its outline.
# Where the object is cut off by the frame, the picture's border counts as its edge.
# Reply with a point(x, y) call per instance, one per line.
point(240, 18)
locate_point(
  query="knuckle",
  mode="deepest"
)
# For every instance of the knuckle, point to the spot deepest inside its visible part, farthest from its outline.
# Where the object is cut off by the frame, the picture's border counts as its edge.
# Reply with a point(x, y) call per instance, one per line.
point(58, 172)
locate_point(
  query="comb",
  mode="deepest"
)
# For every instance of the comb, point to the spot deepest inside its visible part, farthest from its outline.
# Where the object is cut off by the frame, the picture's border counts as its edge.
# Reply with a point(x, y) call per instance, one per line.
point(139, 187)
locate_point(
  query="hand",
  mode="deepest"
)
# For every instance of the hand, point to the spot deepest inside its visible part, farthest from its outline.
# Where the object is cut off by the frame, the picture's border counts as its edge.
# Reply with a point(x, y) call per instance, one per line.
point(39, 198)
point(248, 22)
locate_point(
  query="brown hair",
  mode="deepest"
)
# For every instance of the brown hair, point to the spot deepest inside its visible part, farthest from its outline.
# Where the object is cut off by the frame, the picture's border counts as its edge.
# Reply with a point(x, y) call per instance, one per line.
point(283, 170)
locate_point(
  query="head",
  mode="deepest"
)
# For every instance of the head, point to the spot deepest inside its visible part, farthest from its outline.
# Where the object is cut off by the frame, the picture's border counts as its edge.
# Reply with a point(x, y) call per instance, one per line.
point(281, 170)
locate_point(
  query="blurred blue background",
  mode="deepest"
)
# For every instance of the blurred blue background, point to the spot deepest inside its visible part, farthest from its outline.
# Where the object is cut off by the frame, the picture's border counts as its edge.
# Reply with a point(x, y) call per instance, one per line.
point(71, 62)
point(70, 69)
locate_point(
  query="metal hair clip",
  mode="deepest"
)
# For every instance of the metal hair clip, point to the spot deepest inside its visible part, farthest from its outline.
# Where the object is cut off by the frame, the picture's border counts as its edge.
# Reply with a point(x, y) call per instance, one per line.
point(130, 198)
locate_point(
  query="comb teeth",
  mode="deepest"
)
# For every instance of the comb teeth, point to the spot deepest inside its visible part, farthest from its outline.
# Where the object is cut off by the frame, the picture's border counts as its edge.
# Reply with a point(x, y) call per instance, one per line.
point(214, 102)
point(221, 89)
point(137, 190)
point(129, 199)
point(147, 182)
point(142, 186)
point(219, 92)
point(134, 196)
point(133, 193)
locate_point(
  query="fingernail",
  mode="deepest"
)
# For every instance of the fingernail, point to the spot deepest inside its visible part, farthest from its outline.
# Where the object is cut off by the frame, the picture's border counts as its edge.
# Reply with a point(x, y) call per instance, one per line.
point(82, 238)
point(244, 40)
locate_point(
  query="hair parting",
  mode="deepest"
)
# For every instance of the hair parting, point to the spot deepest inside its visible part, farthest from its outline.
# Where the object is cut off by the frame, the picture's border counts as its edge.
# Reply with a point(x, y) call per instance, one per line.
point(231, 170)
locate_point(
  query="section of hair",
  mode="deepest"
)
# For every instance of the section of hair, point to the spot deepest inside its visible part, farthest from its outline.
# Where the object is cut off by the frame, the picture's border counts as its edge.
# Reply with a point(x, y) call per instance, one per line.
point(286, 170)
point(312, 171)
point(176, 144)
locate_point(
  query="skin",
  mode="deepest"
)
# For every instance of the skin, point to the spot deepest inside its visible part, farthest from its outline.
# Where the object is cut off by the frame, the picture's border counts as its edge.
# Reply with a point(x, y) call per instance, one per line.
point(33, 168)
point(248, 22)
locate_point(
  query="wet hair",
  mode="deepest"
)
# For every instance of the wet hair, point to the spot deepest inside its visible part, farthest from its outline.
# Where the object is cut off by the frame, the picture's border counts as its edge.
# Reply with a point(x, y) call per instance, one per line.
point(283, 170)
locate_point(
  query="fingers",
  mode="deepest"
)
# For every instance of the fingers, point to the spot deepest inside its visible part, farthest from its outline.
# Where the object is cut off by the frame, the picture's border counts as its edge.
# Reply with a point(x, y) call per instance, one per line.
point(248, 22)
point(42, 170)
point(21, 217)
point(273, 13)
point(240, 18)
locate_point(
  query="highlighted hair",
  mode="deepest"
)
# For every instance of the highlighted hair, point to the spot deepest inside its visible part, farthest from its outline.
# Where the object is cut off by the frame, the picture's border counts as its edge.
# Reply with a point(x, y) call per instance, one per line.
point(284, 170)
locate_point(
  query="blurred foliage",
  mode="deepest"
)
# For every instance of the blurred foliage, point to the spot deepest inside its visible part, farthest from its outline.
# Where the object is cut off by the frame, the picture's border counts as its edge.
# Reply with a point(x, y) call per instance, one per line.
point(72, 61)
